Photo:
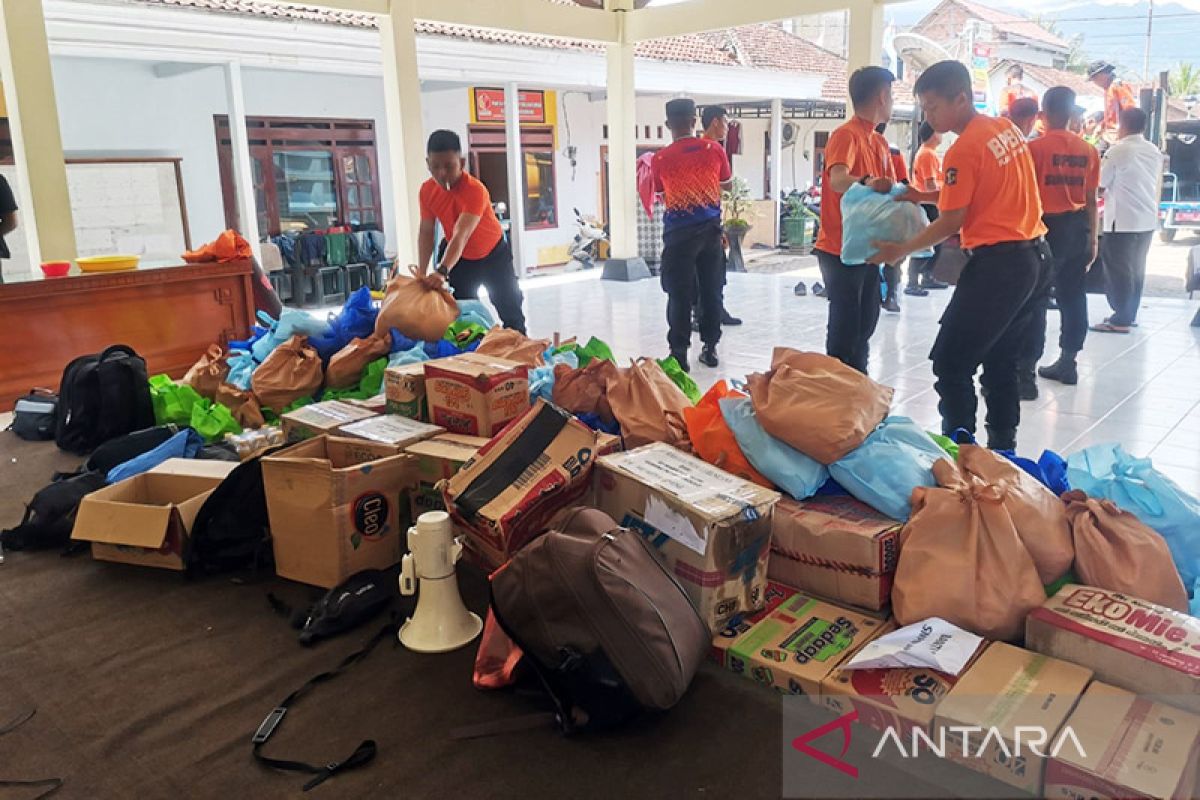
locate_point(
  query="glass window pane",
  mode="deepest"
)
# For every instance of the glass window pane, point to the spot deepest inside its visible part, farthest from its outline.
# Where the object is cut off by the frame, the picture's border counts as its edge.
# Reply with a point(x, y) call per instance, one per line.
point(348, 167)
point(540, 206)
point(352, 195)
point(362, 168)
point(368, 216)
point(305, 189)
point(368, 196)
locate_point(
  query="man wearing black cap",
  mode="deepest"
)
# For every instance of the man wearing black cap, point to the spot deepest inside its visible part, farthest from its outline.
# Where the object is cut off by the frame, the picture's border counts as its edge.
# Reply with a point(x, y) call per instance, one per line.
point(690, 174)
point(1117, 97)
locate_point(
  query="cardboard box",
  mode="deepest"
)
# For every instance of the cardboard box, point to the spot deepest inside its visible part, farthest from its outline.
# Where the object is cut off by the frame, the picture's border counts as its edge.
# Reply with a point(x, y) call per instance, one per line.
point(404, 390)
point(836, 547)
point(334, 506)
point(390, 429)
point(316, 419)
point(712, 529)
point(143, 520)
point(899, 699)
point(438, 459)
point(1131, 747)
point(476, 395)
point(775, 596)
point(376, 404)
point(1005, 690)
point(1130, 643)
point(607, 443)
point(799, 643)
point(199, 467)
point(508, 492)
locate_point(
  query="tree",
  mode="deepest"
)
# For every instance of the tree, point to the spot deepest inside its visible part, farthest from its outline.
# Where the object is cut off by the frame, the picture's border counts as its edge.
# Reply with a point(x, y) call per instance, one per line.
point(1076, 61)
point(1185, 80)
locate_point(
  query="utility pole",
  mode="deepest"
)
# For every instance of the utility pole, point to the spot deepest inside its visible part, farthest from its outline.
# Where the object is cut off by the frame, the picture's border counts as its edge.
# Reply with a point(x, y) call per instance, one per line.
point(1149, 35)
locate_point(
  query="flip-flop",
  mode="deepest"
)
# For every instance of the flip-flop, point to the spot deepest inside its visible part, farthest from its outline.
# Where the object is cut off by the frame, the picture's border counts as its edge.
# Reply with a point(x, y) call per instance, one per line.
point(1108, 327)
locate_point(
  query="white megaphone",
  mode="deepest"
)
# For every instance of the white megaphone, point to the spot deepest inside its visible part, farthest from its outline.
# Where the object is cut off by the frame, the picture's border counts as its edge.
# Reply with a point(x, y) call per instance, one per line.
point(441, 621)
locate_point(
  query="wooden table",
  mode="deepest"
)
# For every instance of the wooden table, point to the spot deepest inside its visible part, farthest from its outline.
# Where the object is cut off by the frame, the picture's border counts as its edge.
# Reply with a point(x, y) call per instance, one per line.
point(169, 314)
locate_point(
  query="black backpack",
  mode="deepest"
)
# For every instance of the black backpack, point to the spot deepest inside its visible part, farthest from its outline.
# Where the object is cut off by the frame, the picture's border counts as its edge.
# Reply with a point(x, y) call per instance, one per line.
point(34, 415)
point(50, 515)
point(231, 530)
point(101, 397)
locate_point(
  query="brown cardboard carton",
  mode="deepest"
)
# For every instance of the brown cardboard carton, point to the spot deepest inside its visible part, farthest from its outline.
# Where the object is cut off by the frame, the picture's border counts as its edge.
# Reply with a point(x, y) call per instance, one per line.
point(775, 596)
point(508, 492)
point(607, 443)
point(201, 467)
point(376, 404)
point(334, 506)
point(1128, 642)
point(1131, 747)
point(1010, 692)
point(404, 388)
point(316, 419)
point(799, 644)
point(144, 520)
point(711, 529)
point(476, 395)
point(438, 459)
point(390, 429)
point(836, 547)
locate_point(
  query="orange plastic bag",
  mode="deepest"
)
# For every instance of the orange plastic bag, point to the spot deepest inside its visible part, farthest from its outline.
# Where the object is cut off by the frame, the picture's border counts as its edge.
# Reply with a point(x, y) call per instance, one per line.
point(293, 370)
point(713, 441)
point(415, 310)
point(243, 405)
point(346, 367)
point(648, 405)
point(962, 560)
point(207, 374)
point(513, 346)
point(497, 659)
point(1115, 550)
point(1038, 515)
point(817, 404)
point(229, 246)
point(584, 390)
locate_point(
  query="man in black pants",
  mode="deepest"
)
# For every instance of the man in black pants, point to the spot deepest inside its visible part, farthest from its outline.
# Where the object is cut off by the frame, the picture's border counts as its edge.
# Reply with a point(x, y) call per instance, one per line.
point(1068, 173)
point(990, 194)
point(926, 177)
point(690, 173)
point(715, 122)
point(476, 252)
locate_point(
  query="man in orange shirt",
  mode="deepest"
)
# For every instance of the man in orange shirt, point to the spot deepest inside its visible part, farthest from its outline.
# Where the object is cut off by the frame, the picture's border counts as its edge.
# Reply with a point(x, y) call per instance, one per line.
point(856, 153)
point(476, 252)
point(1014, 90)
point(1068, 175)
point(927, 177)
point(1117, 97)
point(990, 195)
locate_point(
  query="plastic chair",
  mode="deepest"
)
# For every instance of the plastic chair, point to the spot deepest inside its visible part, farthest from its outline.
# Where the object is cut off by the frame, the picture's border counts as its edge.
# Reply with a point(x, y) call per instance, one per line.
point(322, 286)
point(357, 275)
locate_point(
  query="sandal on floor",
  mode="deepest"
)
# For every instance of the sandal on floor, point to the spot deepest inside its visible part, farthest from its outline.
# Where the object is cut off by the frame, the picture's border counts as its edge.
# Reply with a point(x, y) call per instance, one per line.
point(1108, 327)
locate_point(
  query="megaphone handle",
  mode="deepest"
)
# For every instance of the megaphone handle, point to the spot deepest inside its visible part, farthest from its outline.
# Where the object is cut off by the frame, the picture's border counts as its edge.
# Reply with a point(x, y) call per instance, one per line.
point(456, 550)
point(408, 582)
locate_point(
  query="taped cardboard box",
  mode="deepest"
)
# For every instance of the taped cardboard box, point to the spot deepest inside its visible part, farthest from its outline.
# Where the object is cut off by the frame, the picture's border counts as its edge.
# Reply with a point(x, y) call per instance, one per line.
point(404, 390)
point(836, 547)
point(476, 395)
point(1014, 703)
point(390, 429)
point(799, 644)
point(200, 467)
point(335, 507)
point(317, 419)
point(1130, 643)
point(144, 520)
point(775, 596)
point(712, 529)
point(507, 493)
point(438, 459)
point(1129, 746)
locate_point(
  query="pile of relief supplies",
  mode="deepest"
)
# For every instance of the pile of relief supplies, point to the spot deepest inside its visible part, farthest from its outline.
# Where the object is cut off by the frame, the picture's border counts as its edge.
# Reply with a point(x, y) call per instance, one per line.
point(789, 527)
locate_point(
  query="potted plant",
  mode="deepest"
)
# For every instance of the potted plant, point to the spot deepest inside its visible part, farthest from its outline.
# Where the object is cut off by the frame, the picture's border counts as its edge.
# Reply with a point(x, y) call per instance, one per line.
point(735, 202)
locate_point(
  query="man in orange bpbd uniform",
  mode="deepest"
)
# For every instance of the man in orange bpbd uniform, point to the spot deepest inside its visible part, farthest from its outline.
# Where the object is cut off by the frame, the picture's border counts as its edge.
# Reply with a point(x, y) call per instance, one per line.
point(1117, 97)
point(1014, 89)
point(1068, 174)
point(990, 195)
point(927, 177)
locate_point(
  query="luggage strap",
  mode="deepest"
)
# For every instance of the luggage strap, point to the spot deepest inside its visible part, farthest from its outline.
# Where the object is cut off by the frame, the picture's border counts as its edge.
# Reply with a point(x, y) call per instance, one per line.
point(363, 754)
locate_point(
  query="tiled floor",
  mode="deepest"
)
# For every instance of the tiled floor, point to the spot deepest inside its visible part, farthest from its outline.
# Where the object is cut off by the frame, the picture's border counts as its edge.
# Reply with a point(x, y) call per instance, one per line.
point(1142, 390)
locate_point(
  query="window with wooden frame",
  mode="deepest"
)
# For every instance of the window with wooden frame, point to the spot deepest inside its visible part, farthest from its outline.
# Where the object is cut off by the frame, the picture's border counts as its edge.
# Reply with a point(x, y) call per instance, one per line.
point(308, 174)
point(489, 163)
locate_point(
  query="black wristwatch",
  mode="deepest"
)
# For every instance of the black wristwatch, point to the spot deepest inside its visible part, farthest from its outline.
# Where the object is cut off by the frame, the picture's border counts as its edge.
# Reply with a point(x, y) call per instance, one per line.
point(865, 179)
point(445, 273)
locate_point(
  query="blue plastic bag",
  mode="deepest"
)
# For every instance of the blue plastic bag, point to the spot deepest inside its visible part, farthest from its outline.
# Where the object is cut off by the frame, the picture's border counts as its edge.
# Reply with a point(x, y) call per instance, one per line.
point(241, 369)
point(882, 472)
point(541, 379)
point(780, 463)
point(475, 311)
point(413, 355)
point(185, 444)
point(291, 322)
point(869, 216)
point(356, 320)
point(594, 422)
point(1107, 471)
point(1050, 469)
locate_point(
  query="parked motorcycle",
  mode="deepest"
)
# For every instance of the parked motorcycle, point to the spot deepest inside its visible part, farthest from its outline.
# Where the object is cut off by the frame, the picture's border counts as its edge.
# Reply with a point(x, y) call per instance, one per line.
point(585, 248)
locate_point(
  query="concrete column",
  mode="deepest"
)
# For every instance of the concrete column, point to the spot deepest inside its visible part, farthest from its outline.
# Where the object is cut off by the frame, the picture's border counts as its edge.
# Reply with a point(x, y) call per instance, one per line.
point(243, 175)
point(406, 135)
point(624, 262)
point(516, 176)
point(45, 216)
point(866, 34)
point(777, 158)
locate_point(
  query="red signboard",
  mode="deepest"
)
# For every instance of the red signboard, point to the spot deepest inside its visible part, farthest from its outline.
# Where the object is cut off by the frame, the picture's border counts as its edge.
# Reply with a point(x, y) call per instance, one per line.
point(489, 105)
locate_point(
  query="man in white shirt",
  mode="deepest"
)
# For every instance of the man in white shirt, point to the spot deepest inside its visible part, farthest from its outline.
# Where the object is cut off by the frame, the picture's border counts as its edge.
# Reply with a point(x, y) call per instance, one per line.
point(1130, 177)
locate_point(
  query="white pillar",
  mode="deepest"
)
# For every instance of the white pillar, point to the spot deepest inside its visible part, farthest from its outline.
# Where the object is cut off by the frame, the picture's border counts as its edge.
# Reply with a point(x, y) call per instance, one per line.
point(45, 216)
point(866, 34)
point(243, 175)
point(777, 158)
point(406, 136)
point(516, 176)
point(622, 149)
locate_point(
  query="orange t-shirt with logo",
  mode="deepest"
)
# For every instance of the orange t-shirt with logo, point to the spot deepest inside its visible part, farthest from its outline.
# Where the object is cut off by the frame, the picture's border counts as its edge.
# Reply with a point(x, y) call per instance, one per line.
point(1068, 171)
point(927, 166)
point(467, 196)
point(989, 172)
point(864, 152)
point(1117, 98)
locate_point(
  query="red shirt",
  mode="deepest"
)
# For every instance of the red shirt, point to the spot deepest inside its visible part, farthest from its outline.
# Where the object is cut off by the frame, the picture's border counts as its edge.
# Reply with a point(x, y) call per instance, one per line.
point(864, 152)
point(467, 196)
point(689, 173)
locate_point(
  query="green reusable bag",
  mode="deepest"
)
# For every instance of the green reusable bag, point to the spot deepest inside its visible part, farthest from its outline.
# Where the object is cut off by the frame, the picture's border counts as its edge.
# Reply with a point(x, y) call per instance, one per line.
point(680, 378)
point(595, 348)
point(369, 386)
point(462, 333)
point(213, 420)
point(946, 443)
point(173, 402)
